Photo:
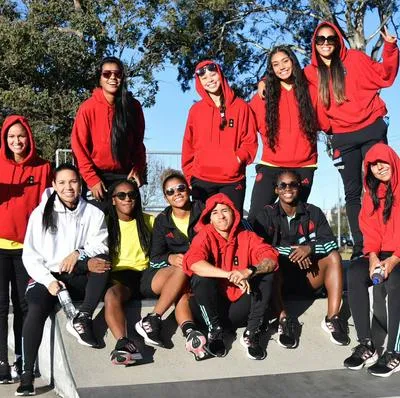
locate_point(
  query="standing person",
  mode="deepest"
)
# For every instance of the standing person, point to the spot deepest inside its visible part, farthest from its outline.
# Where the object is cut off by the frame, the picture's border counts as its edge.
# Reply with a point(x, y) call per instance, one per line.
point(220, 138)
point(286, 119)
point(107, 136)
point(348, 84)
point(23, 178)
point(308, 257)
point(173, 231)
point(129, 239)
point(379, 223)
point(65, 246)
point(225, 262)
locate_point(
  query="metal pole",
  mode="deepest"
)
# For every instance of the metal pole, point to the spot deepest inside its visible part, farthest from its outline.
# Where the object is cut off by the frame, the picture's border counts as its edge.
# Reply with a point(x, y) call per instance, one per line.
point(339, 216)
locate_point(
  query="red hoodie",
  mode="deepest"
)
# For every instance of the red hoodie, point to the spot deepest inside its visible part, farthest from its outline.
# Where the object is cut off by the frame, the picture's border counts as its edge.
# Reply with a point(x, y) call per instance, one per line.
point(363, 78)
point(21, 184)
point(91, 139)
point(210, 153)
point(379, 236)
point(241, 249)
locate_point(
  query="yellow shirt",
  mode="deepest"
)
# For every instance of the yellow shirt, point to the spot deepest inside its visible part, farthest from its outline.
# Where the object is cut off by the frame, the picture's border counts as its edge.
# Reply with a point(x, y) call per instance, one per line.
point(10, 244)
point(181, 223)
point(131, 254)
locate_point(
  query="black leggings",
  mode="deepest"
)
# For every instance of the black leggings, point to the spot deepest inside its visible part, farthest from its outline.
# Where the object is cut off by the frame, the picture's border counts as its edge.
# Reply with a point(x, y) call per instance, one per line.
point(12, 271)
point(211, 308)
point(358, 281)
point(88, 287)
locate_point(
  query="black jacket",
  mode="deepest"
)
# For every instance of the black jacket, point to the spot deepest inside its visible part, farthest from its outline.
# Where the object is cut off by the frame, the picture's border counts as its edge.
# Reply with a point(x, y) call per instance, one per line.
point(167, 239)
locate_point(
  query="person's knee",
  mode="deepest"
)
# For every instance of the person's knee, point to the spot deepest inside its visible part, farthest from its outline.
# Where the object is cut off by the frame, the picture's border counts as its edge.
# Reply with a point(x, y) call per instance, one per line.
point(113, 296)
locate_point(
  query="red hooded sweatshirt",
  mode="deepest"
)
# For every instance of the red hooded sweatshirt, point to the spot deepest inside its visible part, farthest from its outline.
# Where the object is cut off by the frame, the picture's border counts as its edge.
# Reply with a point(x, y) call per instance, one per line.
point(91, 139)
point(241, 249)
point(379, 236)
point(21, 184)
point(363, 78)
point(210, 153)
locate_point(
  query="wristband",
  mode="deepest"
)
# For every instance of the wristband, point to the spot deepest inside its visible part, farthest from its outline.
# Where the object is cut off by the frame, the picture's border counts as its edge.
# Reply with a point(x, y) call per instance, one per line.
point(253, 270)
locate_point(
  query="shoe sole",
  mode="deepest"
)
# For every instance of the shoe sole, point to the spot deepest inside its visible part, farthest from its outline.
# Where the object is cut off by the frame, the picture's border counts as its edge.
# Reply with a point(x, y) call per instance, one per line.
point(326, 329)
point(198, 352)
point(129, 359)
point(7, 381)
point(243, 343)
point(73, 332)
point(367, 363)
point(25, 394)
point(147, 340)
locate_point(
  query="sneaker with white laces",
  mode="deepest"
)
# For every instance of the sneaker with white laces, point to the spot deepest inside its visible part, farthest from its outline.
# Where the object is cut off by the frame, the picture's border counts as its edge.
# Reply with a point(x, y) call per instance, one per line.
point(337, 328)
point(387, 364)
point(363, 355)
point(5, 373)
point(251, 341)
point(149, 328)
point(26, 387)
point(125, 352)
point(81, 327)
point(288, 332)
point(215, 342)
point(195, 343)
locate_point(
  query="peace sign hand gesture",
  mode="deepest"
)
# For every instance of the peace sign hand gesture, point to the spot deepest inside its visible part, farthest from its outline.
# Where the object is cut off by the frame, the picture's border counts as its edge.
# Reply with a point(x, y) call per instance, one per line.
point(387, 36)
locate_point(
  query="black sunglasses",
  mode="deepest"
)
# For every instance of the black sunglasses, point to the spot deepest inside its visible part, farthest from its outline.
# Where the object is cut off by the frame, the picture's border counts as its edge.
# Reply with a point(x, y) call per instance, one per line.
point(132, 195)
point(108, 73)
point(291, 185)
point(177, 188)
point(202, 71)
point(319, 40)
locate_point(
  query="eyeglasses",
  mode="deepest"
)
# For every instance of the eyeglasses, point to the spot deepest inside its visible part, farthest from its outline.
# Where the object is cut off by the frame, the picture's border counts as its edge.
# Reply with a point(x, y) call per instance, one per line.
point(132, 195)
point(202, 71)
point(319, 40)
point(108, 73)
point(177, 188)
point(291, 185)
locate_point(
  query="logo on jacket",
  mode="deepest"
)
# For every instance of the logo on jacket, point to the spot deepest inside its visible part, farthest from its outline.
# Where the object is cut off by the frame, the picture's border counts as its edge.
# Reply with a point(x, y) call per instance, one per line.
point(336, 153)
point(239, 187)
point(170, 235)
point(306, 181)
point(259, 177)
point(230, 123)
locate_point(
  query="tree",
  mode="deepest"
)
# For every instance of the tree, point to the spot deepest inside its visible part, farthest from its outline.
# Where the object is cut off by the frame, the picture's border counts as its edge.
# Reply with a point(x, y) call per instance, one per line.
point(151, 193)
point(344, 224)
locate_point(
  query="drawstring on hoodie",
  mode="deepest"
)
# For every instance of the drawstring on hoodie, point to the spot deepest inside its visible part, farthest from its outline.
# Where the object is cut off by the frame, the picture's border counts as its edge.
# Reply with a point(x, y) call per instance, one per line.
point(222, 110)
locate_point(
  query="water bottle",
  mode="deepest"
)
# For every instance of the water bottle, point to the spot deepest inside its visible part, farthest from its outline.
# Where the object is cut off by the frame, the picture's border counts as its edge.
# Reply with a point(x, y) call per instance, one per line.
point(378, 275)
point(66, 303)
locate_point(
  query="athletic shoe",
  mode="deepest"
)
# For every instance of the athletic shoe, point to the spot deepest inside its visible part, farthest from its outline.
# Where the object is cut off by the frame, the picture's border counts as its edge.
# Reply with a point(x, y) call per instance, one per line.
point(5, 373)
point(387, 364)
point(251, 341)
point(26, 387)
point(149, 328)
point(16, 369)
point(81, 328)
point(215, 342)
point(338, 330)
point(288, 332)
point(363, 355)
point(195, 343)
point(125, 353)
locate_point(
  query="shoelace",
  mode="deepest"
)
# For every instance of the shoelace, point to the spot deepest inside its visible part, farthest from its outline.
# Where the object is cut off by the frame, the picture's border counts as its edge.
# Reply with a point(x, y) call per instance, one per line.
point(338, 325)
point(361, 350)
point(389, 359)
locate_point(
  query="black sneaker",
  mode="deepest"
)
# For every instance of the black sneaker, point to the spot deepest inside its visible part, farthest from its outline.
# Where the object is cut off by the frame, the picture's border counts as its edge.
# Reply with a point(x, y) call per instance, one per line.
point(363, 355)
point(251, 341)
point(26, 387)
point(82, 329)
point(195, 343)
point(387, 364)
point(125, 353)
point(16, 369)
point(5, 373)
point(149, 328)
point(337, 328)
point(288, 332)
point(215, 342)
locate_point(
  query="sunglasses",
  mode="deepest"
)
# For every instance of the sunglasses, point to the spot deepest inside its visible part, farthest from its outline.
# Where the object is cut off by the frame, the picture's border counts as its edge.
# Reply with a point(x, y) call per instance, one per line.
point(132, 195)
point(108, 73)
point(178, 188)
point(291, 185)
point(202, 71)
point(319, 40)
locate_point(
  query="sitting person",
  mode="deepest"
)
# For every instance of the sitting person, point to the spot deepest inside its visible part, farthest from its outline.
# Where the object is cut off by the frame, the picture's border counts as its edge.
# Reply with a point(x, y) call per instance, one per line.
point(225, 262)
point(65, 246)
point(308, 257)
point(379, 223)
point(172, 233)
point(129, 238)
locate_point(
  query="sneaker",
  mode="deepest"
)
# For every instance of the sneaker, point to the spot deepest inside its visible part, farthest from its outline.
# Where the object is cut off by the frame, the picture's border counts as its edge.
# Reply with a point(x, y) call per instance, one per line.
point(363, 355)
point(16, 369)
point(337, 328)
point(215, 342)
point(149, 328)
point(387, 364)
point(288, 332)
point(251, 341)
point(5, 373)
point(195, 343)
point(125, 353)
point(26, 387)
point(82, 329)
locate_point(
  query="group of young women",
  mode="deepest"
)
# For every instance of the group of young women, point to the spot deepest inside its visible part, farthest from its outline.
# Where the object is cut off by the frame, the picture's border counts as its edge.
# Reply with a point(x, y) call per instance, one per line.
point(109, 256)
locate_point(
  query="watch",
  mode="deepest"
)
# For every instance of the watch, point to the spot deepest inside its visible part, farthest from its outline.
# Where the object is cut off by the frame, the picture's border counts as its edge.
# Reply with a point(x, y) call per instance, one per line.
point(253, 270)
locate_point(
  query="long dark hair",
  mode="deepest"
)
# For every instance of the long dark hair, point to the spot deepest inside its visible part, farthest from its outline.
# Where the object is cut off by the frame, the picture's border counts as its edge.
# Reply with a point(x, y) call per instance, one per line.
point(307, 116)
point(114, 232)
point(373, 184)
point(49, 219)
point(123, 123)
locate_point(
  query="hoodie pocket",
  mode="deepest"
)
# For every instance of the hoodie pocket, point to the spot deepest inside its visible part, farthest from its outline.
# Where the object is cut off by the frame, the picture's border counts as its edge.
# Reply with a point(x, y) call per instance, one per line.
point(217, 164)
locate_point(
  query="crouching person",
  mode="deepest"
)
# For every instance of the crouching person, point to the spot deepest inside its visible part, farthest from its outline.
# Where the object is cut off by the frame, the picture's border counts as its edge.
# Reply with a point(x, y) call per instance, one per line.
point(65, 246)
point(231, 273)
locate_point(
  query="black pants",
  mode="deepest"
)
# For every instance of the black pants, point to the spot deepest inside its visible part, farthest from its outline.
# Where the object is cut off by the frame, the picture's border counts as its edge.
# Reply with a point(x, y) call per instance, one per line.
point(358, 281)
point(264, 186)
point(12, 271)
point(349, 152)
point(210, 307)
point(202, 190)
point(88, 287)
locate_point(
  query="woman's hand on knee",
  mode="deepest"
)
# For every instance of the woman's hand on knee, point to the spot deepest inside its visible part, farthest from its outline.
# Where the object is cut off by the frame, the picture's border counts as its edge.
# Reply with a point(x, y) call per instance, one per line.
point(98, 265)
point(55, 287)
point(69, 262)
point(389, 264)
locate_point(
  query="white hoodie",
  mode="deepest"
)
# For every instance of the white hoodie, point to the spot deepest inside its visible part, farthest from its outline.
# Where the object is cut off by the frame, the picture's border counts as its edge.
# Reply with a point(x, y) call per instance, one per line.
point(82, 229)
